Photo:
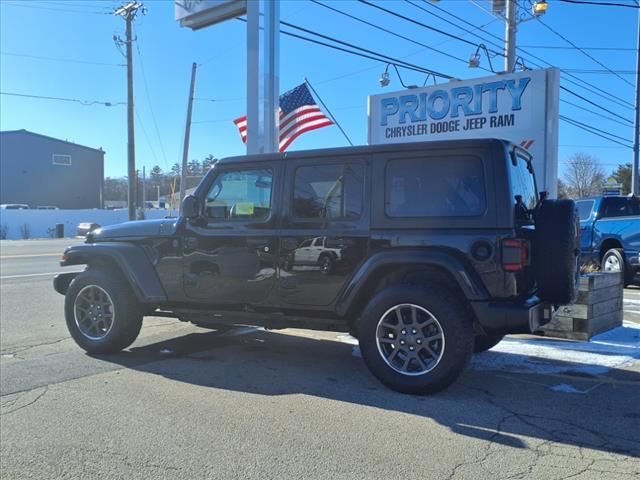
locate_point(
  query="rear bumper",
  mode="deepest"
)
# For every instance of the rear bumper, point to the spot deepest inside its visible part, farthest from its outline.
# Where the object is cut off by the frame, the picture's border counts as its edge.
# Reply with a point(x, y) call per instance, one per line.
point(502, 317)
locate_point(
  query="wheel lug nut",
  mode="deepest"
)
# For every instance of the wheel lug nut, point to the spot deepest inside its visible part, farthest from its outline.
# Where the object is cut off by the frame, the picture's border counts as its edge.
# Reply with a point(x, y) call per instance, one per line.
point(413, 330)
point(411, 348)
point(401, 342)
point(418, 341)
point(404, 332)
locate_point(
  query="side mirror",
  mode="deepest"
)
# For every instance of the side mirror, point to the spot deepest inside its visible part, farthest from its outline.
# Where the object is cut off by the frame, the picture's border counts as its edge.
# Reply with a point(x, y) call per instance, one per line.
point(190, 207)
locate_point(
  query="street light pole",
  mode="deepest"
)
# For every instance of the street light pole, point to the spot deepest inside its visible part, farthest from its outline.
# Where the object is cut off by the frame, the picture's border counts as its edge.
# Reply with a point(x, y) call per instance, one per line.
point(510, 35)
point(635, 187)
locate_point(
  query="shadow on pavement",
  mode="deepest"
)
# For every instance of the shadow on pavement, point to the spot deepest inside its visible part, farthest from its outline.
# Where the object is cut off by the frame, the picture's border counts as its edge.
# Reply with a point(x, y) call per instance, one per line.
point(493, 406)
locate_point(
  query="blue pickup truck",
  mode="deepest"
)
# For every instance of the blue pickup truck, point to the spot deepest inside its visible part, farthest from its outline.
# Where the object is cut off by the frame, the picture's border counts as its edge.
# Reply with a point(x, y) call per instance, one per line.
point(610, 234)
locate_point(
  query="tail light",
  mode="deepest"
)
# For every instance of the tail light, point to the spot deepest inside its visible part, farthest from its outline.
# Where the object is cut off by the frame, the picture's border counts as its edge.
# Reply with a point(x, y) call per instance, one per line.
point(515, 254)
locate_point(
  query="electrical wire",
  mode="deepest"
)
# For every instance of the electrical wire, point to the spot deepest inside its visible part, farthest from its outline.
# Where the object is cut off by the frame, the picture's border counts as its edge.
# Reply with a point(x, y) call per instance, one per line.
point(581, 50)
point(65, 60)
point(378, 27)
point(62, 99)
point(146, 136)
point(424, 25)
point(628, 124)
point(38, 7)
point(592, 130)
point(554, 47)
point(600, 4)
point(366, 50)
point(372, 55)
point(595, 89)
point(153, 116)
point(594, 103)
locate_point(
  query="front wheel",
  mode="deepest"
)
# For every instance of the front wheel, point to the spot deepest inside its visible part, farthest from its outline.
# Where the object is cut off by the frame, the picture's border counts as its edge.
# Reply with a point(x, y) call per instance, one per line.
point(613, 261)
point(416, 339)
point(102, 314)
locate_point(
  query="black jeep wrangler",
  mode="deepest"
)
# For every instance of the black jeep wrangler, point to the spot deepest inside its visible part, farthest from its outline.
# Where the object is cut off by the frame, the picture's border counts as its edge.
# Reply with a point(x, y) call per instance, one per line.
point(425, 252)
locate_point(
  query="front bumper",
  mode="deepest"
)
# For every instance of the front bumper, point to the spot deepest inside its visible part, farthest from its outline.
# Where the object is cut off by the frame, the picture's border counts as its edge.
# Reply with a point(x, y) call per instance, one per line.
point(503, 317)
point(62, 280)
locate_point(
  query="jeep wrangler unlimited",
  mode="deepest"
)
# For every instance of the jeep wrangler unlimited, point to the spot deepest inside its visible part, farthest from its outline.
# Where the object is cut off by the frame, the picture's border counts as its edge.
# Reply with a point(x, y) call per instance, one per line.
point(425, 252)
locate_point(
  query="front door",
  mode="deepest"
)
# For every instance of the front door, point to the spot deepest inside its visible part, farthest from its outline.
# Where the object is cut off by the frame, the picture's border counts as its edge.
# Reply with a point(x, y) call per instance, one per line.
point(325, 229)
point(230, 254)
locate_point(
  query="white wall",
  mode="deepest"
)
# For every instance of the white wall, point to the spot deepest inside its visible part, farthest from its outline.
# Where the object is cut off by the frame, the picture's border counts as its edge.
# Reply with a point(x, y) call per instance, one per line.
point(39, 221)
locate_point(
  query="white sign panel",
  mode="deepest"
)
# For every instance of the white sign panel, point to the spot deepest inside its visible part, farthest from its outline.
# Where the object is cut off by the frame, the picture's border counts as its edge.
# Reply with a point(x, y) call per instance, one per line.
point(197, 14)
point(520, 107)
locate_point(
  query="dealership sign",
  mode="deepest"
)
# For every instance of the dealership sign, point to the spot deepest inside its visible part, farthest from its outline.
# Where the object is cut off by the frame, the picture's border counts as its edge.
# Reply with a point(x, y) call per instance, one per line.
point(519, 107)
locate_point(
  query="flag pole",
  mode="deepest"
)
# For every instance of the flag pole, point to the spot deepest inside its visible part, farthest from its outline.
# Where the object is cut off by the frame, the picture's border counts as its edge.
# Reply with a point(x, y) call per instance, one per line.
point(328, 111)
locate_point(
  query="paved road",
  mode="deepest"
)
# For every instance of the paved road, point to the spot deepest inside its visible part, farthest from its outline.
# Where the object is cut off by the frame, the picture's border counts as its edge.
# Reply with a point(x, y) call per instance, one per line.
point(185, 402)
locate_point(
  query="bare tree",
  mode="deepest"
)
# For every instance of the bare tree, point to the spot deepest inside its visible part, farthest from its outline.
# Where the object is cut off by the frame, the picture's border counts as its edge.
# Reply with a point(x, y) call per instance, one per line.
point(584, 176)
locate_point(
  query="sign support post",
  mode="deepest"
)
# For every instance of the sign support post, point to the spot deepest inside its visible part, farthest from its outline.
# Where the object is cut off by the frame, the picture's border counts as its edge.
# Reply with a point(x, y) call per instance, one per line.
point(263, 29)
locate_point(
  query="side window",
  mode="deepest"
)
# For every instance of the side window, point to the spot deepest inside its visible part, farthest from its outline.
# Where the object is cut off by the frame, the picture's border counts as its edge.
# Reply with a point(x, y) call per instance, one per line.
point(240, 194)
point(523, 183)
point(435, 187)
point(328, 191)
point(615, 207)
point(584, 208)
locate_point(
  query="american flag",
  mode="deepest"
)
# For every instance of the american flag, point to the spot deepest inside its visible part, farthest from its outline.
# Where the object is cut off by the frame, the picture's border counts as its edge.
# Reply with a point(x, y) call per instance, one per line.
point(299, 114)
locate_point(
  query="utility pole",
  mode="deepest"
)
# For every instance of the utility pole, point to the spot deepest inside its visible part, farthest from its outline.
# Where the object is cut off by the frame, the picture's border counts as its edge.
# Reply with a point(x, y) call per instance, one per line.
point(128, 12)
point(187, 133)
point(510, 35)
point(635, 187)
point(144, 188)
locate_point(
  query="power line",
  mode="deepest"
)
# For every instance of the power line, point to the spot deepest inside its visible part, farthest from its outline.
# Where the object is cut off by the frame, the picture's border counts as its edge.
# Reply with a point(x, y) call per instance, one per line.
point(568, 90)
point(66, 60)
point(579, 49)
point(38, 7)
point(554, 47)
point(428, 27)
point(595, 89)
point(62, 99)
point(153, 116)
point(146, 136)
point(594, 131)
point(629, 124)
point(378, 27)
point(351, 45)
point(372, 55)
point(600, 4)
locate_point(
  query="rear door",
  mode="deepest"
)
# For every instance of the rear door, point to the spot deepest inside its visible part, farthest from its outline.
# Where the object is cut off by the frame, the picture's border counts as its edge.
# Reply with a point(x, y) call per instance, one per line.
point(325, 229)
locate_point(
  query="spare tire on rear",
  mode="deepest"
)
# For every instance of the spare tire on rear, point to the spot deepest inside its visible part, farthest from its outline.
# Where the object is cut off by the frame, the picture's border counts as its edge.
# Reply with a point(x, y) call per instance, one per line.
point(556, 249)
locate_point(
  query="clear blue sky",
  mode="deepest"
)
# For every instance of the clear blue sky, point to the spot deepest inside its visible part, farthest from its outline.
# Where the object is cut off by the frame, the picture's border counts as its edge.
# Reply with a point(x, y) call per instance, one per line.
point(81, 30)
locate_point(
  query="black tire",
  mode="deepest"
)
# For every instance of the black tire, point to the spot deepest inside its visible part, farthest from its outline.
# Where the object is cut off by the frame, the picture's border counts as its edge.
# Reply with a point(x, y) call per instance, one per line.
point(617, 255)
point(556, 251)
point(127, 314)
point(482, 343)
point(452, 316)
point(326, 264)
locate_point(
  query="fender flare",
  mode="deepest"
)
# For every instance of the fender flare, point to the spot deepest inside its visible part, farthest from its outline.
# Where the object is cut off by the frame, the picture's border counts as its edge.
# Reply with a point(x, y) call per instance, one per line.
point(466, 278)
point(130, 259)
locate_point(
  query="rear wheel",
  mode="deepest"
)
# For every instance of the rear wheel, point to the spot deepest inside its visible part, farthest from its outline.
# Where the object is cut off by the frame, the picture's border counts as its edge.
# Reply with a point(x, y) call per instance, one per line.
point(482, 343)
point(416, 339)
point(102, 314)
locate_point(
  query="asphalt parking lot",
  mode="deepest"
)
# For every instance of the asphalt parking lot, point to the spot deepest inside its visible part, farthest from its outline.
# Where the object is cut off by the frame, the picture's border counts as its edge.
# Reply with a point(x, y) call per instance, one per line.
point(185, 402)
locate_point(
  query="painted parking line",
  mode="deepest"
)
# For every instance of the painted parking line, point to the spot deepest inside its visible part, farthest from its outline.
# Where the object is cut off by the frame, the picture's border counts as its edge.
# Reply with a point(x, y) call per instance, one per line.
point(45, 274)
point(58, 254)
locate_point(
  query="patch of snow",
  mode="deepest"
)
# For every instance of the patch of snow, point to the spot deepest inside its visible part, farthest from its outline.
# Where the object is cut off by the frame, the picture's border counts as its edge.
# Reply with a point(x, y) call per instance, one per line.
point(616, 348)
